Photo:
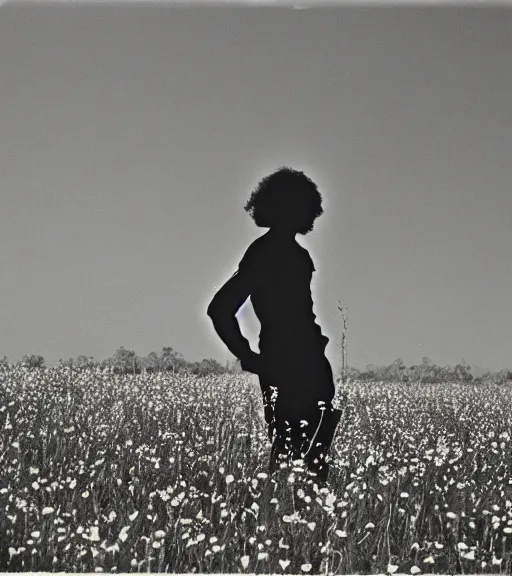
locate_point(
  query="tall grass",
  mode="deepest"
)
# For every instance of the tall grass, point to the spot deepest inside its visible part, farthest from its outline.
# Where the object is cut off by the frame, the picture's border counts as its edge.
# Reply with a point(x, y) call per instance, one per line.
point(106, 473)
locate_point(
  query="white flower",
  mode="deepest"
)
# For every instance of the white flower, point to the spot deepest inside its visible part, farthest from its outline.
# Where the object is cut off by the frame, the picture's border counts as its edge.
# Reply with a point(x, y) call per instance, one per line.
point(113, 548)
point(85, 494)
point(123, 535)
point(329, 501)
point(429, 560)
point(462, 546)
point(262, 555)
point(159, 534)
point(415, 570)
point(369, 526)
point(133, 515)
point(284, 564)
point(469, 555)
point(341, 533)
point(370, 460)
point(451, 515)
point(244, 561)
point(47, 510)
point(35, 485)
point(229, 479)
point(306, 567)
point(392, 568)
point(282, 544)
point(94, 534)
point(35, 534)
point(311, 526)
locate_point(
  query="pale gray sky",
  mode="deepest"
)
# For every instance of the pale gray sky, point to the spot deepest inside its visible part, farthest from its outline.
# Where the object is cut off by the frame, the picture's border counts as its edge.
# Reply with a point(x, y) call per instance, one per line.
point(131, 138)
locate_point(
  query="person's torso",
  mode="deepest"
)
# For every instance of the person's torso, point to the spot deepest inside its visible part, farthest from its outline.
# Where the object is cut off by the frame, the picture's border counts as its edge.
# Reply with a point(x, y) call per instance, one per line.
point(282, 300)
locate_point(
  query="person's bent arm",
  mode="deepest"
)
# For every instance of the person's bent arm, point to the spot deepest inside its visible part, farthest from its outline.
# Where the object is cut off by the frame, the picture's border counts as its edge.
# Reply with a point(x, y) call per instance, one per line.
point(222, 310)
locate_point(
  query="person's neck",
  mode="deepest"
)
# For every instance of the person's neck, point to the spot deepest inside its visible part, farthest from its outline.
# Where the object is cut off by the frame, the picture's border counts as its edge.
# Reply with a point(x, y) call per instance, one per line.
point(283, 234)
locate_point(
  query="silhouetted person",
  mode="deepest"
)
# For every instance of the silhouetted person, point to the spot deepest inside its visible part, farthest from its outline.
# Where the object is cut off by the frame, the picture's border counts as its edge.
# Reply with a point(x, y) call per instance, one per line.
point(276, 273)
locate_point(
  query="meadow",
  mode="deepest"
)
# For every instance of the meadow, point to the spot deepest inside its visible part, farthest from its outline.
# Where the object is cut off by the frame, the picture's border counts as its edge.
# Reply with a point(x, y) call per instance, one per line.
point(153, 472)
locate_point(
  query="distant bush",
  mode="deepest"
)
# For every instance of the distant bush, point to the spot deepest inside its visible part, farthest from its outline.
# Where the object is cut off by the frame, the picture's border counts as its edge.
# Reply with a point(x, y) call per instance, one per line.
point(33, 361)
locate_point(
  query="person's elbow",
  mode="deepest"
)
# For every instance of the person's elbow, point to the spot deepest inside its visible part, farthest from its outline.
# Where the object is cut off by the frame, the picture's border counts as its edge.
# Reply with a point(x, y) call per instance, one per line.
point(212, 310)
point(227, 301)
point(216, 310)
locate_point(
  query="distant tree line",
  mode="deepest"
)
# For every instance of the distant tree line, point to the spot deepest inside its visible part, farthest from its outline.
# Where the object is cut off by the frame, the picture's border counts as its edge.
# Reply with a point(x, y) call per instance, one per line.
point(125, 361)
point(427, 372)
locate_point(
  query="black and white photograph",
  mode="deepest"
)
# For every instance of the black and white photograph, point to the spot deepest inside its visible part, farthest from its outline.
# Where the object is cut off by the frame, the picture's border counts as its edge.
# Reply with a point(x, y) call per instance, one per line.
point(255, 278)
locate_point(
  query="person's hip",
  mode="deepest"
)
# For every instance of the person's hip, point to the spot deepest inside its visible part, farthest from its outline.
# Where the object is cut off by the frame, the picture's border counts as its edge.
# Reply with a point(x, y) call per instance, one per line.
point(308, 378)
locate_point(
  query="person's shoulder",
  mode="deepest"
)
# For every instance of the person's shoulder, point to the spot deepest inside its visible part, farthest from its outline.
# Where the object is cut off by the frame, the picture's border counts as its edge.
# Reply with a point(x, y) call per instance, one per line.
point(256, 252)
point(258, 247)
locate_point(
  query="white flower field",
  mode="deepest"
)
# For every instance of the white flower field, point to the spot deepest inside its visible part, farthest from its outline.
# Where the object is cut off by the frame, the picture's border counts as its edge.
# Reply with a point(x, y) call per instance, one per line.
point(153, 472)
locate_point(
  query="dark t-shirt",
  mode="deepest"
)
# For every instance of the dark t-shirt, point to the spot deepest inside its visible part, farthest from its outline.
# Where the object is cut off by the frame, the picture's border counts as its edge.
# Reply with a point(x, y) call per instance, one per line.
point(281, 273)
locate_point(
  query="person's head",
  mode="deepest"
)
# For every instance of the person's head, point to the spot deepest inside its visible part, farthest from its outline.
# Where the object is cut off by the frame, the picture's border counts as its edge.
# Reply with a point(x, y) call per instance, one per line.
point(287, 200)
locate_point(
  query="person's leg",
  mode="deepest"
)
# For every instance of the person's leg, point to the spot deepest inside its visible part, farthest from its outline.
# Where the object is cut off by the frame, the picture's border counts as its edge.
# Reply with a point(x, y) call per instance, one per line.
point(318, 456)
point(276, 452)
point(269, 394)
point(316, 462)
point(295, 436)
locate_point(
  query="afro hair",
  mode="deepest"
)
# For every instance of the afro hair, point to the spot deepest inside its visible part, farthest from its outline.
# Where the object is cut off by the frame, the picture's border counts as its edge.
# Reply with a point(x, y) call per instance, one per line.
point(286, 198)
